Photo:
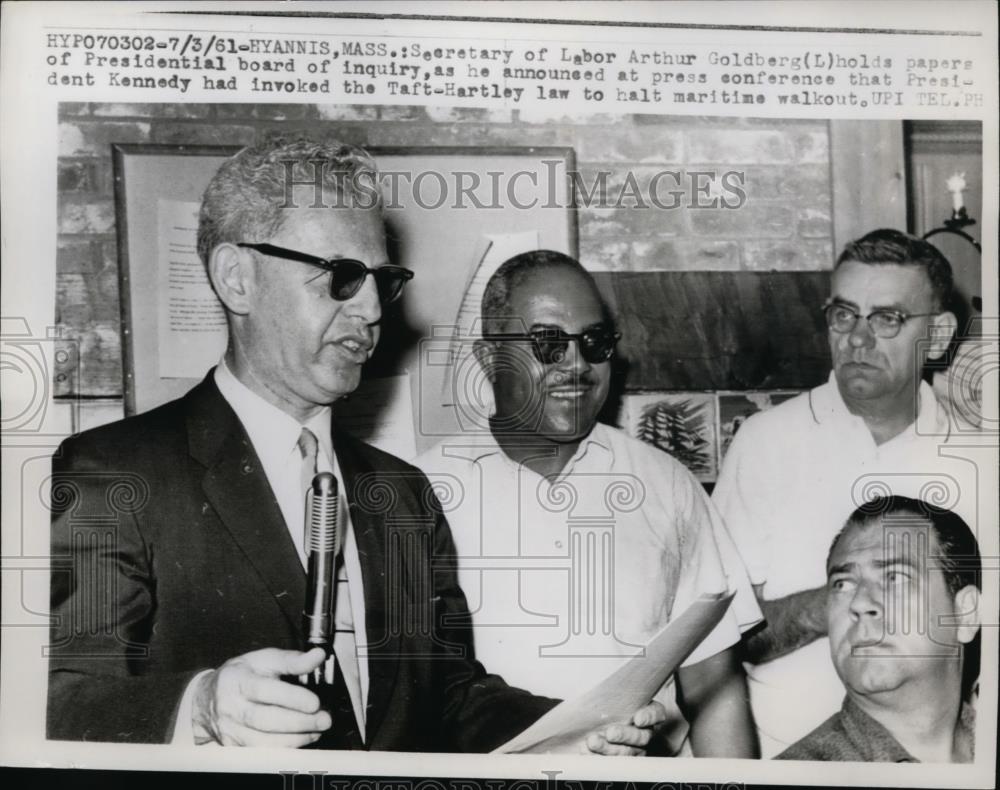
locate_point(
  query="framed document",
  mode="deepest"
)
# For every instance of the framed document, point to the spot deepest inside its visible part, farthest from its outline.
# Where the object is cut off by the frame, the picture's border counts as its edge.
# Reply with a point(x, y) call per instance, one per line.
point(168, 309)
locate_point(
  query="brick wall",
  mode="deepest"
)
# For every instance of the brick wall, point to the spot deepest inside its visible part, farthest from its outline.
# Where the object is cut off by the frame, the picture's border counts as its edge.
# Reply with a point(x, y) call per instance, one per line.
point(785, 224)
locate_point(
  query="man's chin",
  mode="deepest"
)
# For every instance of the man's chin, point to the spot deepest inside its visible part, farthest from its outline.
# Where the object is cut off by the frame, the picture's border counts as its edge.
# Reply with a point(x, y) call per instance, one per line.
point(872, 674)
point(567, 432)
point(333, 388)
point(565, 438)
point(858, 385)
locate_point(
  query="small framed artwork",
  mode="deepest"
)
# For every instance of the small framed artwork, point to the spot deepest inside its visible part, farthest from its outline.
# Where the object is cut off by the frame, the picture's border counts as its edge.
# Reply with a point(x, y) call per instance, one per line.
point(736, 407)
point(682, 424)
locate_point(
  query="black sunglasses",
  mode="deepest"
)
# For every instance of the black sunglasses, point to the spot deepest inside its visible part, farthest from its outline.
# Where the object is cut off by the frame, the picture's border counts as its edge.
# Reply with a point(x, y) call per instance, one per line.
point(549, 344)
point(347, 275)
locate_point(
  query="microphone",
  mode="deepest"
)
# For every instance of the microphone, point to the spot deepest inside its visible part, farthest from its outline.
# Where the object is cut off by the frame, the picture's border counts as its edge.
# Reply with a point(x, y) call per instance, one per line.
point(322, 547)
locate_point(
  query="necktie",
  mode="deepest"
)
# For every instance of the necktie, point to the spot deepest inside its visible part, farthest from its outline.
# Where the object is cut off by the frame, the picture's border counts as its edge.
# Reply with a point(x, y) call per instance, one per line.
point(308, 447)
point(335, 698)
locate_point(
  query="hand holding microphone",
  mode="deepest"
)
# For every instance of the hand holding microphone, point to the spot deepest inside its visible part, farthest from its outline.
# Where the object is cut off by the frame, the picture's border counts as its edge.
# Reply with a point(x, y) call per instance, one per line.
point(245, 701)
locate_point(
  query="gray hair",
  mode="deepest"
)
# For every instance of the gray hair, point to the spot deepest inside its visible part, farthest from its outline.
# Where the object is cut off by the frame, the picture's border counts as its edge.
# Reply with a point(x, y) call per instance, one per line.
point(250, 195)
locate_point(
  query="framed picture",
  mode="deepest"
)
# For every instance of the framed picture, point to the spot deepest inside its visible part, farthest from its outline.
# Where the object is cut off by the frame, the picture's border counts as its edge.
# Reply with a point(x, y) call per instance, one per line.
point(682, 424)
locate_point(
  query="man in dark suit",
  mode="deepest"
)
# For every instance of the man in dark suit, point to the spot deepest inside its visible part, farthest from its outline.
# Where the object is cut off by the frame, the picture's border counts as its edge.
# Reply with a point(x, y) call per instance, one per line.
point(178, 580)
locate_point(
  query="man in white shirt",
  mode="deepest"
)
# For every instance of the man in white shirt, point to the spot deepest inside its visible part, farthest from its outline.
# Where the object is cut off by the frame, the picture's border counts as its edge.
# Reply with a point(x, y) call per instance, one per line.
point(577, 543)
point(795, 473)
point(178, 616)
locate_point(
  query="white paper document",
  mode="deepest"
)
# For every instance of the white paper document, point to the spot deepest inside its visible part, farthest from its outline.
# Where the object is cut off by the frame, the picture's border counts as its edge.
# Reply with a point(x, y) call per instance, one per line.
point(191, 321)
point(627, 688)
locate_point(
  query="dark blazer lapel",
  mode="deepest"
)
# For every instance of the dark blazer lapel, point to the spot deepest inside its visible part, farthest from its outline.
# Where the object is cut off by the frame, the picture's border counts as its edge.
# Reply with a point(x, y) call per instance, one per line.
point(370, 535)
point(237, 489)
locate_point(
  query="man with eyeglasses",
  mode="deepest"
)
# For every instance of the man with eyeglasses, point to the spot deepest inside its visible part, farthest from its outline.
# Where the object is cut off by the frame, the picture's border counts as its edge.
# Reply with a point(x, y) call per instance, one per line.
point(794, 473)
point(577, 543)
point(178, 583)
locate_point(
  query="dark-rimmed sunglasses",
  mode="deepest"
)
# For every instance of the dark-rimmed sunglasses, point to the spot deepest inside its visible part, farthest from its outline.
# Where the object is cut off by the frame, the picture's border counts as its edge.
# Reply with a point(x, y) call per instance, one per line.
point(347, 275)
point(550, 344)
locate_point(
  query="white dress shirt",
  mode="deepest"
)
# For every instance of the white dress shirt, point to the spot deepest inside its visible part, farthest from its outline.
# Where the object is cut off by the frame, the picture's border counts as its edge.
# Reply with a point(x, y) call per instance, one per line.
point(789, 481)
point(663, 545)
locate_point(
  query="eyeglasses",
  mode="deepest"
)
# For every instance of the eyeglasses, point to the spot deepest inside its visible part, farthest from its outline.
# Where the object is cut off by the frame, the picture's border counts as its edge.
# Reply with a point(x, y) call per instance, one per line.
point(347, 275)
point(883, 322)
point(550, 343)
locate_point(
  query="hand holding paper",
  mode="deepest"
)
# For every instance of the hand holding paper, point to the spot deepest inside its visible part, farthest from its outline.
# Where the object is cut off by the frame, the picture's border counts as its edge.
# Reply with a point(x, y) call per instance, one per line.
point(617, 709)
point(630, 738)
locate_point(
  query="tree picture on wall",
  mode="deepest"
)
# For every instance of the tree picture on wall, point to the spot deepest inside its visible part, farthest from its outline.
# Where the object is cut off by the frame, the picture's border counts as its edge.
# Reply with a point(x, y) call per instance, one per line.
point(681, 424)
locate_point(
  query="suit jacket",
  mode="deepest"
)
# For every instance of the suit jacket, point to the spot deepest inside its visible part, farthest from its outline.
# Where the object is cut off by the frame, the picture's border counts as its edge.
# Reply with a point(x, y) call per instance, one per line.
point(170, 556)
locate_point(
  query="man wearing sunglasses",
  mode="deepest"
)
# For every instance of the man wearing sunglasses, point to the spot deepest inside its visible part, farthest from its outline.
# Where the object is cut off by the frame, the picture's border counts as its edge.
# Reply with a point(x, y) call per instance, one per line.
point(795, 473)
point(577, 543)
point(185, 622)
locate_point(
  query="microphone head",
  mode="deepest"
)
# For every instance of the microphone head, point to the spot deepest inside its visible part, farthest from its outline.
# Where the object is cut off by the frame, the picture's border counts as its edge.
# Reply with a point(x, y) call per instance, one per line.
point(322, 546)
point(324, 484)
point(323, 533)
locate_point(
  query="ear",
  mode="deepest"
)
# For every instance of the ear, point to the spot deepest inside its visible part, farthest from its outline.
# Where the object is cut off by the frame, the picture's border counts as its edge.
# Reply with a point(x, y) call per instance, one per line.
point(943, 327)
point(485, 351)
point(231, 271)
point(967, 613)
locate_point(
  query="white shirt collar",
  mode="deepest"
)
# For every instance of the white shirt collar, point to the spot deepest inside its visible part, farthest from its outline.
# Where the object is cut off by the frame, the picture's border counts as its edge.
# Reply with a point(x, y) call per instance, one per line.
point(273, 432)
point(596, 446)
point(481, 445)
point(932, 418)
